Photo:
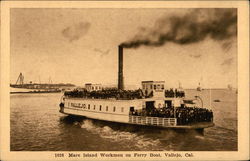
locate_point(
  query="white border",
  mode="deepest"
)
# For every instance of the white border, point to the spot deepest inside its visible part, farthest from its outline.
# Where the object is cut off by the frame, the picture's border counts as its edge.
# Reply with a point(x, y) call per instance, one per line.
point(243, 74)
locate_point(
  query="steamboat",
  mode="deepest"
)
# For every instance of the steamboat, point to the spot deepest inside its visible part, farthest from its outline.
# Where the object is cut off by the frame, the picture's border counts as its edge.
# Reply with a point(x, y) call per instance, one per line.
point(21, 87)
point(151, 105)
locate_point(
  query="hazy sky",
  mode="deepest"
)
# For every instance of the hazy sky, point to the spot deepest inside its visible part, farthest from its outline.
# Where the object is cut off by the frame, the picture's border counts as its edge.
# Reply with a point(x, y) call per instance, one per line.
point(80, 45)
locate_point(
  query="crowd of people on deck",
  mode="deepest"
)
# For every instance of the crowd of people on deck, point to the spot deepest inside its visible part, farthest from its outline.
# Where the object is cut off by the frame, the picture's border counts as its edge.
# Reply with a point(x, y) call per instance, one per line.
point(184, 115)
point(118, 94)
point(174, 93)
point(105, 94)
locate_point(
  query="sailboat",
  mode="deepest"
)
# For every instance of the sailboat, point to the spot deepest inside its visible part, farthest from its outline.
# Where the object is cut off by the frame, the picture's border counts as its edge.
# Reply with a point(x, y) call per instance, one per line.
point(230, 87)
point(199, 88)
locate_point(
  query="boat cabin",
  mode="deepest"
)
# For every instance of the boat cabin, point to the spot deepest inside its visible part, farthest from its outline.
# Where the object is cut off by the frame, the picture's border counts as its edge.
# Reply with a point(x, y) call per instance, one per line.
point(93, 87)
point(153, 88)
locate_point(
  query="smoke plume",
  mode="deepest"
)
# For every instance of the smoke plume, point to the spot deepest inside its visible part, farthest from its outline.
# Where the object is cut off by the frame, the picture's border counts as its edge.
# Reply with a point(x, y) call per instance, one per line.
point(76, 31)
point(228, 62)
point(192, 27)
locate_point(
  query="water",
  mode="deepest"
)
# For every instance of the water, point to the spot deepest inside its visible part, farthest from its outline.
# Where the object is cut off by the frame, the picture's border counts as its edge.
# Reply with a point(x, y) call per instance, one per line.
point(37, 125)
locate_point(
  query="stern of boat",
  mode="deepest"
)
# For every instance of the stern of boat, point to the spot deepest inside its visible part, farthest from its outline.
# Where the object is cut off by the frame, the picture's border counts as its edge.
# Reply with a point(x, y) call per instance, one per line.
point(61, 105)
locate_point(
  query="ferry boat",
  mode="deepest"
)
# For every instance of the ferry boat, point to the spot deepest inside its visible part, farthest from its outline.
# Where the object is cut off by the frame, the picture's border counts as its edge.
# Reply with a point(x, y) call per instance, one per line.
point(151, 105)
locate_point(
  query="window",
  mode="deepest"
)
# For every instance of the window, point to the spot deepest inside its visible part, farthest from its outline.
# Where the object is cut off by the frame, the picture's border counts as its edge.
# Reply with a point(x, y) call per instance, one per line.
point(122, 109)
point(94, 107)
point(114, 109)
point(83, 105)
point(151, 86)
point(154, 86)
point(88, 106)
point(100, 107)
point(162, 86)
point(107, 108)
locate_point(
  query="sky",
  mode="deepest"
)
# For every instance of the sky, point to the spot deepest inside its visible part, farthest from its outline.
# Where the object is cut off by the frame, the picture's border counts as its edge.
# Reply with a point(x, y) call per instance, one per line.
point(81, 46)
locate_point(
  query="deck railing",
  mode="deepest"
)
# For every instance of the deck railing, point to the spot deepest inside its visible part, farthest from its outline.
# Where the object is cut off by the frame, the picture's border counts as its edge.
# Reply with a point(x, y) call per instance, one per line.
point(155, 121)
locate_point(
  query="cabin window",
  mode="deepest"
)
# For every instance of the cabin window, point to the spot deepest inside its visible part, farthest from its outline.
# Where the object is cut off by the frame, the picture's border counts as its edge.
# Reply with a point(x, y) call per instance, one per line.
point(94, 107)
point(131, 110)
point(88, 106)
point(100, 107)
point(122, 109)
point(114, 109)
point(107, 108)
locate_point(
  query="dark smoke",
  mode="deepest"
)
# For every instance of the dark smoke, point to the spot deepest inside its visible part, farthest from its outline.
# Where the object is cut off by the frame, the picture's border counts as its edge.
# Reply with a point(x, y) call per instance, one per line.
point(195, 26)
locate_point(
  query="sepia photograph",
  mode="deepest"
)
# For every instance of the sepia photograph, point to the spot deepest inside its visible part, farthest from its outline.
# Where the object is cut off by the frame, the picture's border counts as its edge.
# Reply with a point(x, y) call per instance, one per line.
point(134, 79)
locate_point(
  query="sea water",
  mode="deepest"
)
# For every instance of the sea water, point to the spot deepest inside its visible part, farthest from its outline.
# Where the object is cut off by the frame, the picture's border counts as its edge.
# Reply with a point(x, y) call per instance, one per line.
point(37, 125)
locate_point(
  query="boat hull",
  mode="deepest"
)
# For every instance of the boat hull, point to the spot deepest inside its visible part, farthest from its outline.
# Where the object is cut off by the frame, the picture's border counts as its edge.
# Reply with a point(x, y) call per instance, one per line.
point(156, 122)
point(14, 90)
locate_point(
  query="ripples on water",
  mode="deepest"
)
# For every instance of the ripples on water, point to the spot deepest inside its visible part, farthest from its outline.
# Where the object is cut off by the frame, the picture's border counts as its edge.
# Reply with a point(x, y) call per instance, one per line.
point(37, 125)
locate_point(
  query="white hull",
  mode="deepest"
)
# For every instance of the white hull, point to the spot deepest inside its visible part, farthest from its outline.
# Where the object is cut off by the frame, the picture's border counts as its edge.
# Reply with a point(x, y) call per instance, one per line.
point(96, 115)
point(20, 90)
point(101, 109)
point(26, 90)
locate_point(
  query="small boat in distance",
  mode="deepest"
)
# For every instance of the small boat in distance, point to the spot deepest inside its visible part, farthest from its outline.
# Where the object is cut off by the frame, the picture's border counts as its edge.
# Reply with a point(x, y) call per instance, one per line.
point(199, 88)
point(151, 105)
point(230, 87)
point(217, 100)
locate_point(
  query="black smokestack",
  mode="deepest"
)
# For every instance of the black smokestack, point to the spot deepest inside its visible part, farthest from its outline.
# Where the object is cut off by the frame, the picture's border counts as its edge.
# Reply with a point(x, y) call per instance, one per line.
point(194, 26)
point(120, 68)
